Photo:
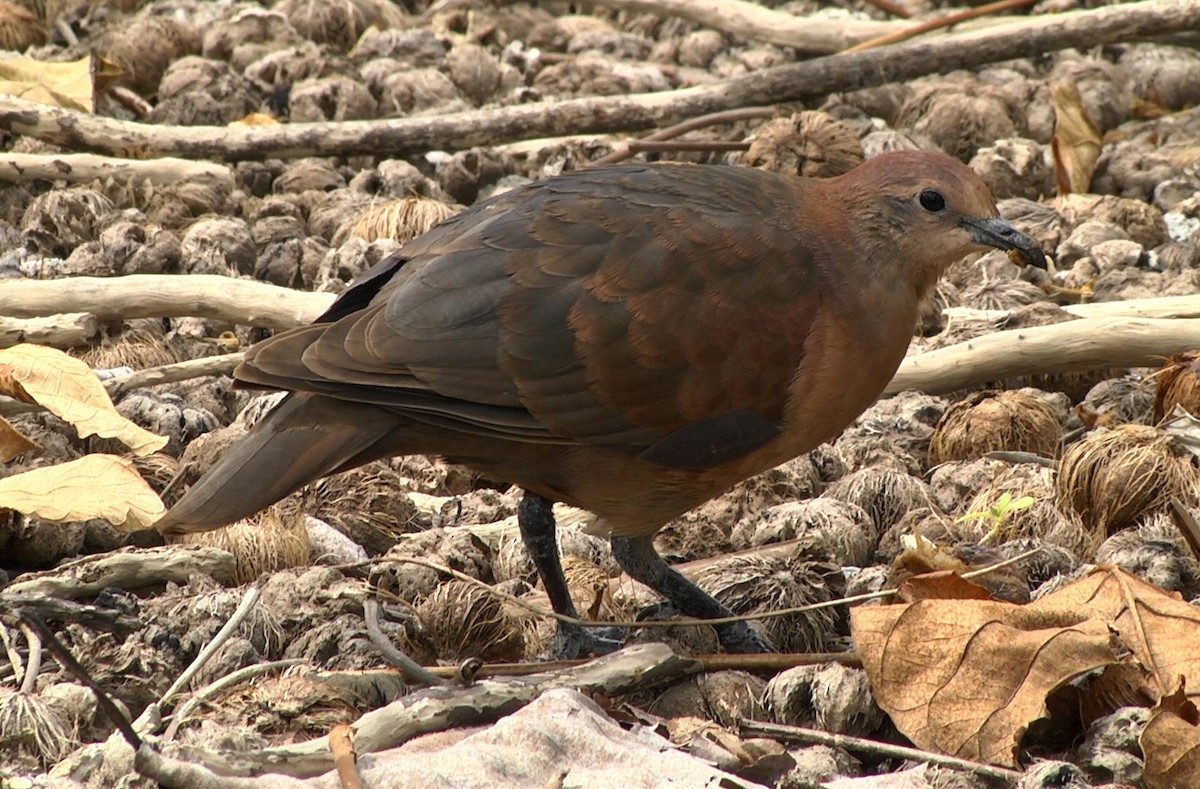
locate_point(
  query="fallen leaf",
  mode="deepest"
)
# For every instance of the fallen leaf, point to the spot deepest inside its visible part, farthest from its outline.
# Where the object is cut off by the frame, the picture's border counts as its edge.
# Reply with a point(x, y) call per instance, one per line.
point(940, 585)
point(69, 84)
point(67, 388)
point(12, 443)
point(1171, 743)
point(968, 677)
point(94, 486)
point(1160, 629)
point(1076, 141)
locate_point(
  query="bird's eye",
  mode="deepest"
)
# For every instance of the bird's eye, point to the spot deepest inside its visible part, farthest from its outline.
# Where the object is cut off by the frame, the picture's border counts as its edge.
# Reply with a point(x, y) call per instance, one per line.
point(932, 200)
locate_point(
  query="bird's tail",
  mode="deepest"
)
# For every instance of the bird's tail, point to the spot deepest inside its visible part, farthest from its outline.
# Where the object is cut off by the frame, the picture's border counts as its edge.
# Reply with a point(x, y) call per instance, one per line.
point(305, 437)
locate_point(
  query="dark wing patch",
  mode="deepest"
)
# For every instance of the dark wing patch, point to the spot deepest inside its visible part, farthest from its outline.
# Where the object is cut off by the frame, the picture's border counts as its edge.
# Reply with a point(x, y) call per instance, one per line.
point(711, 442)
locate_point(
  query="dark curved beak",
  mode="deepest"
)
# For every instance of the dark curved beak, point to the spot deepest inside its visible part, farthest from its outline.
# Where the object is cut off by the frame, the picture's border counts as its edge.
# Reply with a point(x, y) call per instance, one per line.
point(995, 232)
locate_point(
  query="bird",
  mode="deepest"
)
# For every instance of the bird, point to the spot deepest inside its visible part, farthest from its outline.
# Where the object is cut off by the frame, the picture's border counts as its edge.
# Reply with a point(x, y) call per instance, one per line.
point(632, 340)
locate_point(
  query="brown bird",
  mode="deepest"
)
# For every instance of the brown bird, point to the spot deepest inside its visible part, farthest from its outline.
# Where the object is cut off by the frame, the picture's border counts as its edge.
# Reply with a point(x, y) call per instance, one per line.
point(632, 340)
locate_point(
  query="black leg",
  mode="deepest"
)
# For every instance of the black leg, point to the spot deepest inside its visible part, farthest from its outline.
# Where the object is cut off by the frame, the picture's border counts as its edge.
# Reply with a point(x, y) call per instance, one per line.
point(535, 517)
point(637, 556)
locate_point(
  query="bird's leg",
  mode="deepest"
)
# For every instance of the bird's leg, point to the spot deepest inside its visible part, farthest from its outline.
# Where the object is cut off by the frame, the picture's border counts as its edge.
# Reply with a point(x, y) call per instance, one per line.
point(637, 557)
point(535, 517)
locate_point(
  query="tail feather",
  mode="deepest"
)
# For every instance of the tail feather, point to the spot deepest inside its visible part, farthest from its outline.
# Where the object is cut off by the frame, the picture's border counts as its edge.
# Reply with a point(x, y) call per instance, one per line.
point(304, 438)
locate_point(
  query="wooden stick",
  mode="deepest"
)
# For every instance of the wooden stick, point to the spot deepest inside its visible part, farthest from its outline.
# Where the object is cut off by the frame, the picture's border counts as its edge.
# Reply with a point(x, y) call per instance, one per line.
point(239, 301)
point(939, 23)
point(1085, 344)
point(83, 167)
point(753, 22)
point(455, 131)
point(1157, 307)
point(862, 745)
point(63, 330)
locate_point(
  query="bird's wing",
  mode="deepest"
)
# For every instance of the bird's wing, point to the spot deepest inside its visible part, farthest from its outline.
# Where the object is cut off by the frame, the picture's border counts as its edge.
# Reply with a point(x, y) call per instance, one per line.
point(656, 308)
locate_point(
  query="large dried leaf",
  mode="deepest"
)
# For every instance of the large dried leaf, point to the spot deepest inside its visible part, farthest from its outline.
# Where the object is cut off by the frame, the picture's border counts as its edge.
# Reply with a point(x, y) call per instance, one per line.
point(967, 677)
point(1171, 744)
point(1161, 630)
point(1076, 141)
point(70, 390)
point(12, 443)
point(70, 85)
point(94, 486)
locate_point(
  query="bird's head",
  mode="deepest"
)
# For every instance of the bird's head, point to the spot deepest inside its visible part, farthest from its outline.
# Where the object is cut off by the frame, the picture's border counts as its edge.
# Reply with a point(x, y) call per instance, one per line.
point(923, 211)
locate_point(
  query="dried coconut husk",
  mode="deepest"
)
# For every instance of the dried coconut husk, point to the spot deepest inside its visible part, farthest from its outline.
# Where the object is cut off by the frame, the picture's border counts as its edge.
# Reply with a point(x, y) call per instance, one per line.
point(339, 23)
point(124, 43)
point(1178, 383)
point(1112, 478)
point(1042, 521)
point(264, 543)
point(400, 220)
point(834, 697)
point(839, 529)
point(811, 143)
point(893, 432)
point(297, 704)
point(458, 549)
point(35, 727)
point(61, 219)
point(725, 697)
point(137, 348)
point(750, 584)
point(465, 620)
point(991, 421)
point(369, 504)
point(1156, 552)
point(20, 28)
point(512, 559)
point(1117, 401)
point(886, 493)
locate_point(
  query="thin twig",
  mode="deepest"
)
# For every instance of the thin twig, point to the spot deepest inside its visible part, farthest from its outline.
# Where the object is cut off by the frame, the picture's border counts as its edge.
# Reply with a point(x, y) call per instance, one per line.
point(413, 671)
point(692, 124)
point(215, 687)
point(938, 23)
point(672, 146)
point(803, 609)
point(14, 655)
point(891, 7)
point(341, 746)
point(1187, 525)
point(249, 600)
point(772, 663)
point(1022, 457)
point(34, 664)
point(863, 745)
point(68, 661)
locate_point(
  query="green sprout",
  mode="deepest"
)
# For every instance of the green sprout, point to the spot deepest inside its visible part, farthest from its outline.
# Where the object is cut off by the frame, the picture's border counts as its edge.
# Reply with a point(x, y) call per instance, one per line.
point(998, 513)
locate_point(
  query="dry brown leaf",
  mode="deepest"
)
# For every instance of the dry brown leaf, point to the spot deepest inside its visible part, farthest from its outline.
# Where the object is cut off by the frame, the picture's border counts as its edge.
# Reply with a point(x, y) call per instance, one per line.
point(68, 85)
point(940, 585)
point(968, 677)
point(94, 486)
point(70, 390)
point(1076, 141)
point(1160, 629)
point(12, 443)
point(1171, 743)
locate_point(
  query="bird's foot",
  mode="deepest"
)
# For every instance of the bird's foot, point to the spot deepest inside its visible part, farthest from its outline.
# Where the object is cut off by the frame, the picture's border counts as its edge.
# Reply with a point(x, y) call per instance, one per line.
point(573, 642)
point(741, 638)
